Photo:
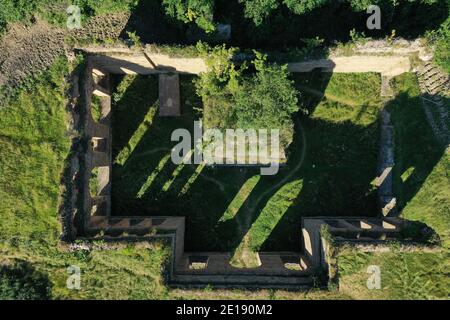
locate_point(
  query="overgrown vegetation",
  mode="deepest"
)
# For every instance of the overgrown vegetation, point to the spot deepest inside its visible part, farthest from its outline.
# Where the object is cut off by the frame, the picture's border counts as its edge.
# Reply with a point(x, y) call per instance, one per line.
point(198, 11)
point(54, 11)
point(278, 17)
point(333, 148)
point(441, 40)
point(404, 275)
point(96, 108)
point(34, 144)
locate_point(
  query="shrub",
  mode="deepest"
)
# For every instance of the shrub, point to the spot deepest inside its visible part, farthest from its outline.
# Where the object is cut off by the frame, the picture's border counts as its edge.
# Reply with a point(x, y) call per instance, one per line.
point(236, 98)
point(22, 282)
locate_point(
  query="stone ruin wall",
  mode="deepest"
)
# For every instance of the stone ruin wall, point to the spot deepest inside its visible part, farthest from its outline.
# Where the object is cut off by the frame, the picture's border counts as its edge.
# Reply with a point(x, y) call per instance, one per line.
point(94, 216)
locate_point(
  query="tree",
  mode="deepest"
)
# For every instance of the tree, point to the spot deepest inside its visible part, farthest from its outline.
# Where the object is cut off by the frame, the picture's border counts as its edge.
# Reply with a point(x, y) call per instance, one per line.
point(233, 98)
point(198, 11)
point(22, 282)
point(258, 10)
point(442, 45)
point(303, 6)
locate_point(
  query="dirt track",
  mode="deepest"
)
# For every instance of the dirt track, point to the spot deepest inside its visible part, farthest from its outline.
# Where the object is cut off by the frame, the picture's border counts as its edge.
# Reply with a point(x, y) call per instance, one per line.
point(26, 50)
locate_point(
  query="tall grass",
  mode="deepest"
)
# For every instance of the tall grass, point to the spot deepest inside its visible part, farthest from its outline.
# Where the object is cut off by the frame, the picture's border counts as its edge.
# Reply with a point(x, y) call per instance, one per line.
point(33, 146)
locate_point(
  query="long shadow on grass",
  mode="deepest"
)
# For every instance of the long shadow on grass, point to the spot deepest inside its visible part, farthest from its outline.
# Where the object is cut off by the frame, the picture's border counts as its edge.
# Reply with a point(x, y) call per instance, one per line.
point(130, 109)
point(335, 178)
point(340, 164)
point(336, 174)
point(267, 187)
point(417, 150)
point(141, 140)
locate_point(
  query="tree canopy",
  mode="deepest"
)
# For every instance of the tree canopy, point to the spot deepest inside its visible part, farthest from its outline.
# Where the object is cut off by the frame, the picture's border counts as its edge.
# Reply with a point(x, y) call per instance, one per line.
point(198, 11)
point(441, 40)
point(237, 98)
point(22, 282)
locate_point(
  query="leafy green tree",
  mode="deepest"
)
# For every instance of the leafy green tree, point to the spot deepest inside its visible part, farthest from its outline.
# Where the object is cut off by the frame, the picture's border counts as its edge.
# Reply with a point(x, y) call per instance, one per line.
point(22, 282)
point(257, 10)
point(303, 6)
point(198, 11)
point(268, 100)
point(233, 98)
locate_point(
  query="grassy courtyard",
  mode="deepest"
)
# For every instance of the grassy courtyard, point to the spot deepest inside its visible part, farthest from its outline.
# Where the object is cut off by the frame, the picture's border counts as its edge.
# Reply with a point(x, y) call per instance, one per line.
point(422, 185)
point(331, 165)
point(30, 170)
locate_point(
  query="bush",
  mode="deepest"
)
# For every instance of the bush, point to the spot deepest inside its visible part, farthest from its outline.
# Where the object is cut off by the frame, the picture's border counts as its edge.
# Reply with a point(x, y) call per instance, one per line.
point(22, 282)
point(15, 10)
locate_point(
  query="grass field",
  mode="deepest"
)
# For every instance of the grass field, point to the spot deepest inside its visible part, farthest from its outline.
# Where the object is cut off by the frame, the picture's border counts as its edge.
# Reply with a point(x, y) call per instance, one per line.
point(422, 171)
point(331, 165)
point(422, 185)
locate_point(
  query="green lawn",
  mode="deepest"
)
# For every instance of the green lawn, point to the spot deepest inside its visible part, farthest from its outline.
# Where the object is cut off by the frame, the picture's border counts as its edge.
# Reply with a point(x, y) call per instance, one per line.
point(422, 170)
point(331, 165)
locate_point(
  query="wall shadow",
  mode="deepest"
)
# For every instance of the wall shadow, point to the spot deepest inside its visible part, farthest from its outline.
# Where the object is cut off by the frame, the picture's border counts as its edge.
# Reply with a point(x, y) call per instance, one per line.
point(417, 150)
